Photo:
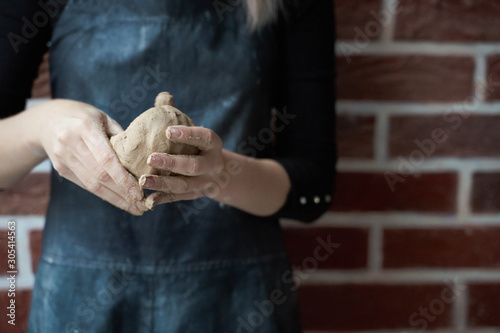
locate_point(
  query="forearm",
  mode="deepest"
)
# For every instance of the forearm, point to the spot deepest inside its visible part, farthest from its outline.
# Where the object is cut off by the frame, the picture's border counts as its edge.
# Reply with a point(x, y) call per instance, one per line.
point(256, 186)
point(18, 151)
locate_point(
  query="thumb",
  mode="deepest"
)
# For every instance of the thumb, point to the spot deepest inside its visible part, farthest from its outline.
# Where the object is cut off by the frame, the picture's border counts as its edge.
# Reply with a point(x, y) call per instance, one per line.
point(112, 127)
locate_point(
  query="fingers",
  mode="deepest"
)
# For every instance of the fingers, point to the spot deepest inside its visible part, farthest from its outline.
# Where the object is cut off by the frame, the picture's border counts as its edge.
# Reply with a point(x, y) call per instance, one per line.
point(187, 165)
point(164, 184)
point(86, 181)
point(175, 184)
point(77, 144)
point(197, 171)
point(109, 168)
point(203, 138)
point(159, 198)
point(182, 164)
point(176, 188)
point(96, 180)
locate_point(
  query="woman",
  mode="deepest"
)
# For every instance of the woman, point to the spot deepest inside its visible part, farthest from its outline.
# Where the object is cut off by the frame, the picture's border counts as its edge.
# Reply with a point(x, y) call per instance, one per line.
point(193, 264)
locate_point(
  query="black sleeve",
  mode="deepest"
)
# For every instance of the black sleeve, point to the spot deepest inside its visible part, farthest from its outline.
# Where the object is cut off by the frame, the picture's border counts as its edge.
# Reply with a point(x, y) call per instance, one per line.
point(24, 32)
point(306, 146)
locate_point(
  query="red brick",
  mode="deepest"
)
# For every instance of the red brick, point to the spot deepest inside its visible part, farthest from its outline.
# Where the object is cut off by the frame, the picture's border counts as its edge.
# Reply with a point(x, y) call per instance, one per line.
point(373, 306)
point(484, 305)
point(23, 299)
point(350, 14)
point(448, 20)
point(4, 242)
point(351, 254)
point(426, 192)
point(469, 136)
point(405, 78)
point(471, 246)
point(486, 192)
point(35, 247)
point(29, 197)
point(355, 136)
point(493, 77)
point(41, 85)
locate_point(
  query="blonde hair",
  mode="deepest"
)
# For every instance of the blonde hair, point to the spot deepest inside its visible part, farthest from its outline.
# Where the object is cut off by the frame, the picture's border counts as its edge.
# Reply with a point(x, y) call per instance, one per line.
point(262, 12)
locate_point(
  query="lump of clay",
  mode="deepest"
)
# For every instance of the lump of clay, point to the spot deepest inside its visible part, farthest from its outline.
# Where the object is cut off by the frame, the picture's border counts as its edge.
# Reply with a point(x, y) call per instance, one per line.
point(147, 134)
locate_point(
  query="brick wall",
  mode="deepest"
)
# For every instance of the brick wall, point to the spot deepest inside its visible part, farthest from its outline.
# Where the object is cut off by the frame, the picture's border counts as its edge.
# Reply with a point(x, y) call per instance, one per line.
point(417, 207)
point(414, 229)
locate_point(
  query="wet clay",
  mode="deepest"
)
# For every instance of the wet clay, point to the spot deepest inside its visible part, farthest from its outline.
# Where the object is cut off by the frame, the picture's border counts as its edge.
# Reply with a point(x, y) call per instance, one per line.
point(147, 134)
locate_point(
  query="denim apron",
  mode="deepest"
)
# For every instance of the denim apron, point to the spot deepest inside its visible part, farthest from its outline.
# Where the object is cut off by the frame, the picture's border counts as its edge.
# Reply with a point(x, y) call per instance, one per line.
point(191, 266)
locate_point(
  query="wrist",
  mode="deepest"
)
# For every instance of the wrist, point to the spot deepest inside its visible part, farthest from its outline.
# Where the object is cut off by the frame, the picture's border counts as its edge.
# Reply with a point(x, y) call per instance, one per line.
point(36, 121)
point(225, 180)
point(257, 186)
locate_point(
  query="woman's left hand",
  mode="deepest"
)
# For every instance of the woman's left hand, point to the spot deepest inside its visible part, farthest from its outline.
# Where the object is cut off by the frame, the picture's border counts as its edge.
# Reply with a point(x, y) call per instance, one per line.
point(197, 173)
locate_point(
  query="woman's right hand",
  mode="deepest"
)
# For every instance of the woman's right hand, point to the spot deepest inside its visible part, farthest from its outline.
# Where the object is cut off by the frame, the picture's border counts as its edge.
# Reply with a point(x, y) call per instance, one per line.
point(75, 137)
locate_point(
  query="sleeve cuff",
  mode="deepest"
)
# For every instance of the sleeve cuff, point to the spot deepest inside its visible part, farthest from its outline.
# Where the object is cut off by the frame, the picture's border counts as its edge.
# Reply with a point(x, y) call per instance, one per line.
point(309, 196)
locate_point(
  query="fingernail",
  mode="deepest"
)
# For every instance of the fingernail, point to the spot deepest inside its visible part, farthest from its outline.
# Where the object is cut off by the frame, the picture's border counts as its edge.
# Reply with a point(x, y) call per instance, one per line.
point(173, 133)
point(142, 180)
point(136, 193)
point(147, 182)
point(150, 201)
point(157, 160)
point(153, 160)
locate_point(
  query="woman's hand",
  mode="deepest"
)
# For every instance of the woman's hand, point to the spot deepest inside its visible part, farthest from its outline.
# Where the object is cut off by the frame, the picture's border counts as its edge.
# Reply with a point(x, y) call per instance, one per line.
point(74, 136)
point(257, 186)
point(197, 173)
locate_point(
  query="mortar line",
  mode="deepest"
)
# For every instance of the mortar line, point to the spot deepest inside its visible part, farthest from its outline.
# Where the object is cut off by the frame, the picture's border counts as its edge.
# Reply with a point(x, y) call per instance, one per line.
point(375, 252)
point(381, 138)
point(464, 194)
point(387, 34)
point(420, 48)
point(460, 305)
point(401, 276)
point(43, 167)
point(31, 102)
point(480, 72)
point(438, 164)
point(411, 108)
point(396, 220)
